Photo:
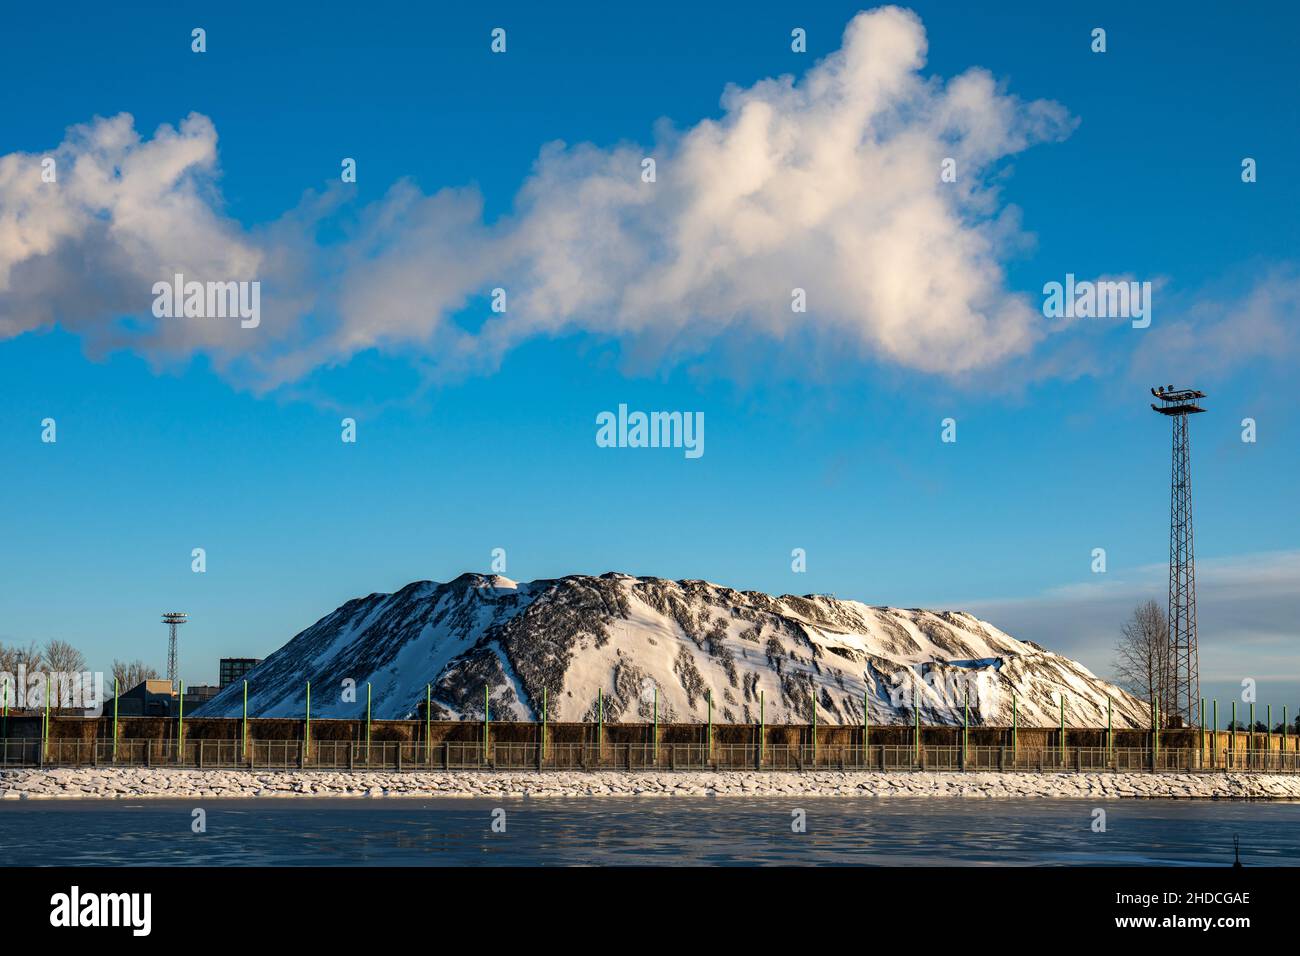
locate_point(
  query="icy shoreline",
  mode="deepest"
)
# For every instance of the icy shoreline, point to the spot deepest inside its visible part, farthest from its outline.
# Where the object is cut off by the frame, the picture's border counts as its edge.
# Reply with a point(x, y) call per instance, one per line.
point(136, 784)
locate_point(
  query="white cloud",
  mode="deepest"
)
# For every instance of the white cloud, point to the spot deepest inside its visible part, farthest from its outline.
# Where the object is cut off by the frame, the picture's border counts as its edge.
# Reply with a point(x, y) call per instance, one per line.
point(1218, 336)
point(123, 213)
point(829, 183)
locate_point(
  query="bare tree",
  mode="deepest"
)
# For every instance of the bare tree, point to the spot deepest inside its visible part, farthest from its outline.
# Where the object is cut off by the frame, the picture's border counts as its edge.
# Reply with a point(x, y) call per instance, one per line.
point(63, 659)
point(1142, 661)
point(62, 656)
point(30, 657)
point(9, 691)
point(31, 660)
point(129, 675)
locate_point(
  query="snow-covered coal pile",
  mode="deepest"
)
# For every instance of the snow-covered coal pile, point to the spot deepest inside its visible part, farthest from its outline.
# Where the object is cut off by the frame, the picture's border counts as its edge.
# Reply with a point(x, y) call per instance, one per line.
point(629, 637)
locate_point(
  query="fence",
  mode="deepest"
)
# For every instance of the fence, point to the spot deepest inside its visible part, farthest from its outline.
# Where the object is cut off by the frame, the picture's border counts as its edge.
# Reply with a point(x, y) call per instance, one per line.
point(472, 755)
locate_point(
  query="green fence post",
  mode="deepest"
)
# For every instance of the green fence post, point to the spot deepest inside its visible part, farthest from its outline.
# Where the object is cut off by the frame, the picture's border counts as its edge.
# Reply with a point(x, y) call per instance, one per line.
point(428, 720)
point(45, 722)
point(1250, 741)
point(965, 730)
point(656, 727)
point(1155, 730)
point(1214, 737)
point(245, 718)
point(544, 703)
point(367, 724)
point(1062, 699)
point(710, 738)
point(1110, 731)
point(1232, 732)
point(916, 733)
point(1014, 741)
point(306, 737)
point(1268, 732)
point(1202, 748)
point(814, 727)
point(487, 721)
point(180, 725)
point(866, 731)
point(1282, 746)
point(115, 692)
point(762, 728)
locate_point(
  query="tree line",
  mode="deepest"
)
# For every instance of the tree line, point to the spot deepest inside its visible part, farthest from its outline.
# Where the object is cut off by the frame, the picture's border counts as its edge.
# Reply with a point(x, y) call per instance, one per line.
point(58, 656)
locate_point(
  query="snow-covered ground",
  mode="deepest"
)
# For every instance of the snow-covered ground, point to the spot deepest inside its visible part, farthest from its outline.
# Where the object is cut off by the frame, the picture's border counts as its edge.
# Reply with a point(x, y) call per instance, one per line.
point(133, 784)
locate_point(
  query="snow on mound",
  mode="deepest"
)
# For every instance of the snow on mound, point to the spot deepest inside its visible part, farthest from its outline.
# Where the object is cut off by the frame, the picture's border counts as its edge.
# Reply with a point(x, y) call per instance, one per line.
point(626, 638)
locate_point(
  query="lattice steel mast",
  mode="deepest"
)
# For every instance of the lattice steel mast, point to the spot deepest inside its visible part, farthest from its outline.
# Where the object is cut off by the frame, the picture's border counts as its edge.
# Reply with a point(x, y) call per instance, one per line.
point(173, 619)
point(1184, 661)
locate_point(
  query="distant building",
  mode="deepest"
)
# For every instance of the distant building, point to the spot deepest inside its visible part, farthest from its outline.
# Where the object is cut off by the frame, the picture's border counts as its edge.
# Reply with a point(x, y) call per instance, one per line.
point(234, 668)
point(199, 694)
point(158, 698)
point(149, 698)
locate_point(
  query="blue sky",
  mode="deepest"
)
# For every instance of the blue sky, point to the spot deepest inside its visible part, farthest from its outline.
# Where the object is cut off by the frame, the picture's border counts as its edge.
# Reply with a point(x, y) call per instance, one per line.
point(815, 438)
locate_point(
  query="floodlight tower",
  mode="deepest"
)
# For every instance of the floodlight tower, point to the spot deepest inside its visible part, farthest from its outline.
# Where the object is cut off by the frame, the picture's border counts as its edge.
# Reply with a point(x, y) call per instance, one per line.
point(1184, 663)
point(173, 620)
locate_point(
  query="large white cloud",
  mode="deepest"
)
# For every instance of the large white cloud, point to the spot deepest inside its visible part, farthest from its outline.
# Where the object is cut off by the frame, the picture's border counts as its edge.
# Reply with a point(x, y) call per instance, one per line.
point(122, 213)
point(830, 183)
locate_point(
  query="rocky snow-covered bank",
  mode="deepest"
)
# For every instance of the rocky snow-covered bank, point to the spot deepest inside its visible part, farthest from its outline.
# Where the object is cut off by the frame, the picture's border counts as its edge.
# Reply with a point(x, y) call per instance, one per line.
point(134, 784)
